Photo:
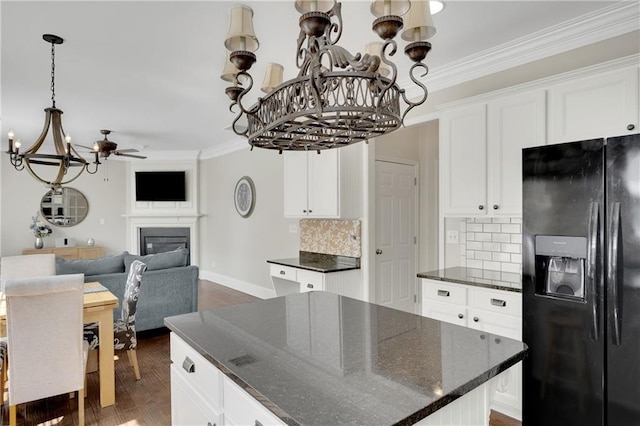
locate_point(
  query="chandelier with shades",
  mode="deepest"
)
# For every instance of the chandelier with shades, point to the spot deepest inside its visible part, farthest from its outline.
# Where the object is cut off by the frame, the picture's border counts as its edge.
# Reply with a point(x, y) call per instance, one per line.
point(63, 166)
point(337, 98)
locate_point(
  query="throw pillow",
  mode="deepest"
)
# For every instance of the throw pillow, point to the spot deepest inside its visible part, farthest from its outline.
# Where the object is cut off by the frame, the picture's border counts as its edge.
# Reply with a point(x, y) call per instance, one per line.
point(169, 259)
point(102, 265)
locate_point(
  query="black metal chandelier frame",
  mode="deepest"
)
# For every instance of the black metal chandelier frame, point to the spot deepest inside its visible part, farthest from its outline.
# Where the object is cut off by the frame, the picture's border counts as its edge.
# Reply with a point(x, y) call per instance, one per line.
point(66, 157)
point(337, 98)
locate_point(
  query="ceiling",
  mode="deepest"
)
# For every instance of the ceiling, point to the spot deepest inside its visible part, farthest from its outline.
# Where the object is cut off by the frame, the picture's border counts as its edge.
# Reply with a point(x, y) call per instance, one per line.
point(149, 70)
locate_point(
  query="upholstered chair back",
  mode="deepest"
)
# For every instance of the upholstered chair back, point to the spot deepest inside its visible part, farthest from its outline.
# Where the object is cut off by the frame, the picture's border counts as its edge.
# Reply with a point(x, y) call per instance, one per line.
point(44, 331)
point(127, 339)
point(31, 265)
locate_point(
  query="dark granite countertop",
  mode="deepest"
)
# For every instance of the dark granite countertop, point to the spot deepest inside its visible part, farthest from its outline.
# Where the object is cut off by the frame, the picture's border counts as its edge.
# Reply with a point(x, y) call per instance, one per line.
point(321, 358)
point(320, 262)
point(472, 277)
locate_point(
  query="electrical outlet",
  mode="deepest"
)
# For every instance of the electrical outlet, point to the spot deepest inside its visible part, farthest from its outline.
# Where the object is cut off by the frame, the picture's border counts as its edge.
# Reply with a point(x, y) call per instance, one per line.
point(452, 237)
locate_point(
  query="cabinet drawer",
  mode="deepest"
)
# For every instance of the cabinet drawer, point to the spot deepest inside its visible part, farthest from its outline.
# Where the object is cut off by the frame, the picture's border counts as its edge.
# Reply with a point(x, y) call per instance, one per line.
point(284, 272)
point(440, 291)
point(447, 312)
point(502, 325)
point(311, 281)
point(502, 302)
point(187, 405)
point(240, 408)
point(196, 370)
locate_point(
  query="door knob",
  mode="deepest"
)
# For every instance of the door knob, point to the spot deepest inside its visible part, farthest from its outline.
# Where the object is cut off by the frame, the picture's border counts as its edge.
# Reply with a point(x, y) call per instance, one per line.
point(378, 251)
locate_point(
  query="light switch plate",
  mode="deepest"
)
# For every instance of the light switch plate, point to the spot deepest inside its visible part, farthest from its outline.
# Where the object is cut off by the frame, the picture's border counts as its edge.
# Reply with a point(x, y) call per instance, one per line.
point(452, 237)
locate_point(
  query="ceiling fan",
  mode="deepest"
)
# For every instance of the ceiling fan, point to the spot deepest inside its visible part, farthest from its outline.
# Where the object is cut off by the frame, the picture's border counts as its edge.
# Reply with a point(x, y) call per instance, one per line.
point(106, 147)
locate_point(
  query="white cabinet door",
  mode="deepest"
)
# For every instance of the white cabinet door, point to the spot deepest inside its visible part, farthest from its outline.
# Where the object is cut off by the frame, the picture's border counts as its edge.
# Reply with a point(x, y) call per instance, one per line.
point(594, 107)
point(187, 406)
point(311, 281)
point(514, 122)
point(242, 409)
point(295, 183)
point(311, 184)
point(324, 181)
point(463, 160)
point(447, 312)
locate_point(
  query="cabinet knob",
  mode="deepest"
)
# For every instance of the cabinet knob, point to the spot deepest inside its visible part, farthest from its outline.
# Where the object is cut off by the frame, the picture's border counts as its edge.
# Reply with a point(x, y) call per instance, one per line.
point(304, 211)
point(480, 207)
point(460, 316)
point(310, 211)
point(495, 207)
point(631, 127)
point(378, 251)
point(476, 319)
point(283, 273)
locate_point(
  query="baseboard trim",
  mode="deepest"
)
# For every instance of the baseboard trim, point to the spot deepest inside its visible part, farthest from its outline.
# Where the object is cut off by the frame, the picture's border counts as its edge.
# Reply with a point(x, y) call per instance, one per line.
point(236, 284)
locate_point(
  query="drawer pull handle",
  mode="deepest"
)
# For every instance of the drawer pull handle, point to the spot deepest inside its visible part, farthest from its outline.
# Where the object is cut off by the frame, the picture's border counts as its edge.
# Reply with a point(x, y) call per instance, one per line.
point(283, 273)
point(211, 424)
point(309, 285)
point(188, 365)
point(443, 293)
point(258, 423)
point(498, 302)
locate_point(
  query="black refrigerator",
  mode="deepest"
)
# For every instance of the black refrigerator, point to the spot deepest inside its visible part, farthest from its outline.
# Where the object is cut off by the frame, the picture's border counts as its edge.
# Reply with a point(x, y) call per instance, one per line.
point(581, 283)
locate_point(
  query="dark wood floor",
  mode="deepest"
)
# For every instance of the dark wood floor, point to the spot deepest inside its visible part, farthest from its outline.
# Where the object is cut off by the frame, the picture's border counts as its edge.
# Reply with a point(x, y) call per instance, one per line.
point(144, 402)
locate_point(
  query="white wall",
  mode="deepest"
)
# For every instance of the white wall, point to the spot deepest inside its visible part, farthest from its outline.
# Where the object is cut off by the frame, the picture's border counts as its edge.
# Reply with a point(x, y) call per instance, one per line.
point(21, 195)
point(235, 250)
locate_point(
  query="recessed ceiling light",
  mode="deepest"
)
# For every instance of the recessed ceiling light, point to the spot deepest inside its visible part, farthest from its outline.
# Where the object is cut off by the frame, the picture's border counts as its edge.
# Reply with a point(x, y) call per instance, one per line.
point(436, 6)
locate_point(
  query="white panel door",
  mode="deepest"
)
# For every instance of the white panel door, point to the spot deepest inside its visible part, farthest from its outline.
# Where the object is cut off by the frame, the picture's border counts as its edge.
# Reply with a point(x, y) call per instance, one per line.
point(463, 151)
point(395, 235)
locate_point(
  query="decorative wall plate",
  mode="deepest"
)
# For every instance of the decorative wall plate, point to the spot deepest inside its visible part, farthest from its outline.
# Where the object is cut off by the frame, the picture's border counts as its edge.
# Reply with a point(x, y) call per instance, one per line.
point(244, 196)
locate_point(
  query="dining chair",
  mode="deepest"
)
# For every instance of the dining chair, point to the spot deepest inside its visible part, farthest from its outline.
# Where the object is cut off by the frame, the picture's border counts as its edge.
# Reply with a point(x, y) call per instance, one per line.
point(24, 266)
point(124, 329)
point(44, 337)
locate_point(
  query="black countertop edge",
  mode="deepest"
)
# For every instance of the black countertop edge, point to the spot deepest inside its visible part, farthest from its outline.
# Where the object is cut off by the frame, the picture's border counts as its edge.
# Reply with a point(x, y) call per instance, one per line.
point(468, 276)
point(462, 390)
point(410, 420)
point(264, 401)
point(320, 262)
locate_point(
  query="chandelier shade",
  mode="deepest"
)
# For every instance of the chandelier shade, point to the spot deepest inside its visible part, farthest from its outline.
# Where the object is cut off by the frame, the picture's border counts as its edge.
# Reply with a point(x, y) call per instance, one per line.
point(241, 34)
point(418, 24)
point(338, 98)
point(64, 165)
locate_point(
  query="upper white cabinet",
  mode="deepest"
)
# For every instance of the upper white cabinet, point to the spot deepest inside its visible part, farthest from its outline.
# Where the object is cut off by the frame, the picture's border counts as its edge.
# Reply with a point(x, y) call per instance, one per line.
point(592, 107)
point(322, 185)
point(481, 153)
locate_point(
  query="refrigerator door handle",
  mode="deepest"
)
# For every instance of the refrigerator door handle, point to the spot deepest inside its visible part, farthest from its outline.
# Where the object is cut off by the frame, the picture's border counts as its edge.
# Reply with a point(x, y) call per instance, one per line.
point(614, 296)
point(592, 261)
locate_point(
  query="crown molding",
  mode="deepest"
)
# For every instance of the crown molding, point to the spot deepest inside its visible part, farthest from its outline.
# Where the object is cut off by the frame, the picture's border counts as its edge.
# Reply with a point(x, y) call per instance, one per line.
point(224, 148)
point(167, 156)
point(611, 21)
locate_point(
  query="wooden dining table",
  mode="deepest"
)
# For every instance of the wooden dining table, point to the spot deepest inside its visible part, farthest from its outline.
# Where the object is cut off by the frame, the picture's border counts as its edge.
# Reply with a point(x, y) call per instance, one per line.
point(98, 307)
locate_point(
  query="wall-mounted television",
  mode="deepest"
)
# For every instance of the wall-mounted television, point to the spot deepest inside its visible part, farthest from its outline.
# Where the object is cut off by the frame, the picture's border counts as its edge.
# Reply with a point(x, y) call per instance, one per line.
point(161, 186)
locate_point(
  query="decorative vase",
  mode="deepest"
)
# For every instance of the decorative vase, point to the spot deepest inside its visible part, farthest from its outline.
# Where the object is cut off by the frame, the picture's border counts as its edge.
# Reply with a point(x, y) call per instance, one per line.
point(39, 243)
point(90, 242)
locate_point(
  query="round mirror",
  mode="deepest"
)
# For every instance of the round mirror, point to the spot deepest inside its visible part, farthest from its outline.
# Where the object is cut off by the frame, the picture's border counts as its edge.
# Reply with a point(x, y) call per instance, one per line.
point(64, 206)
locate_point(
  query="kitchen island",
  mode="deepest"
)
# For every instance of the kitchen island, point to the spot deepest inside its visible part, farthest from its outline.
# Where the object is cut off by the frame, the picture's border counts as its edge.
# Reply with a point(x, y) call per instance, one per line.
point(321, 358)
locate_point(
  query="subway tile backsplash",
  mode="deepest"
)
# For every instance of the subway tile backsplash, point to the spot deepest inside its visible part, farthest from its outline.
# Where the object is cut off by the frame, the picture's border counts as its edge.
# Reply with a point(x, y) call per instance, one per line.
point(493, 245)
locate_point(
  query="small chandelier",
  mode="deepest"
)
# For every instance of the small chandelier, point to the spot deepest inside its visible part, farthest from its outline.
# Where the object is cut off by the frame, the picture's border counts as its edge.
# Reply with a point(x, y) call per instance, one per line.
point(65, 157)
point(337, 98)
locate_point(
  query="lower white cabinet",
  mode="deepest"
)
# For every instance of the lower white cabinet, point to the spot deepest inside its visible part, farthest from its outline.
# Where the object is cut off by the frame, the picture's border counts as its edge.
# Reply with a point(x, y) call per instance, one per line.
point(287, 279)
point(202, 395)
point(494, 311)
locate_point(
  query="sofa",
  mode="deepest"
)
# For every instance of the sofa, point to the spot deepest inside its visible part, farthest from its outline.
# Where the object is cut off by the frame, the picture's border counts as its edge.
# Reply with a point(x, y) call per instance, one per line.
point(169, 286)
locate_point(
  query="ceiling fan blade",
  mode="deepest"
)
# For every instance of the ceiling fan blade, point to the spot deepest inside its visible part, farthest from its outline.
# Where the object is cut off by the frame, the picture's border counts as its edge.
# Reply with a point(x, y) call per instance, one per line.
point(128, 155)
point(128, 150)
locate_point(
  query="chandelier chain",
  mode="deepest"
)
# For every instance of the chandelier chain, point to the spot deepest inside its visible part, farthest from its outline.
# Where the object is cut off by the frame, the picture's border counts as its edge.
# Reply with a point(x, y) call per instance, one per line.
point(53, 75)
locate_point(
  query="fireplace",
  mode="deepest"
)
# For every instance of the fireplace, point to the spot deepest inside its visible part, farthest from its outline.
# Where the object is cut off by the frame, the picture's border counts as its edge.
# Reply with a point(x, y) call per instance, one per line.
point(162, 239)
